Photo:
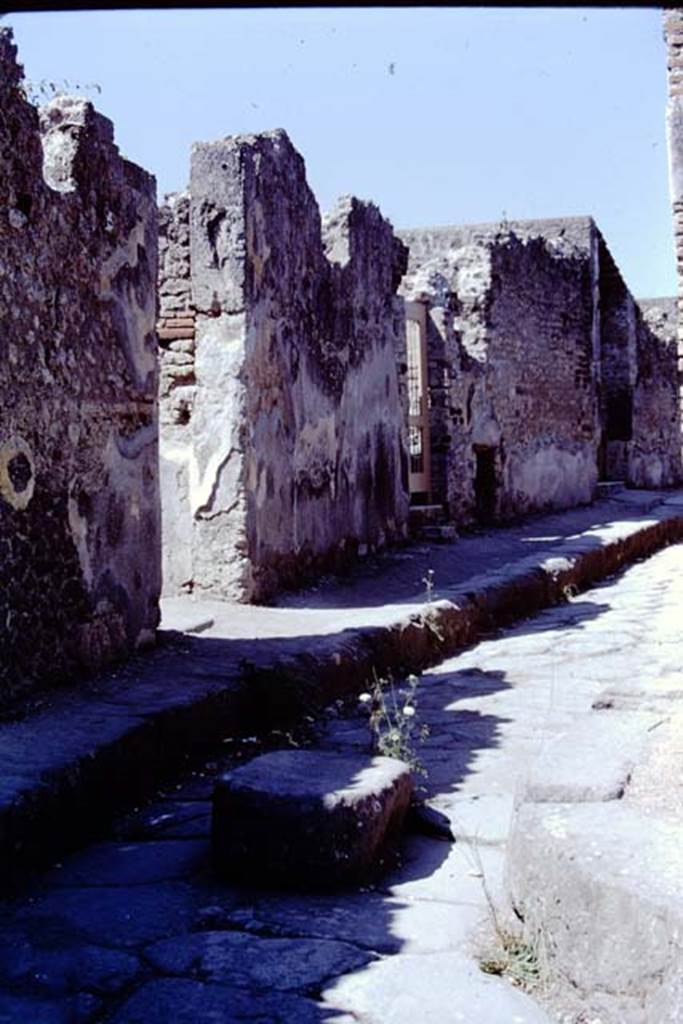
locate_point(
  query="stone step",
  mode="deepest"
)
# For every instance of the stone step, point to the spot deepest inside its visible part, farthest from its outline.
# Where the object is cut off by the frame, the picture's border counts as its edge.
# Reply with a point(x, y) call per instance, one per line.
point(421, 515)
point(309, 817)
point(444, 534)
point(608, 488)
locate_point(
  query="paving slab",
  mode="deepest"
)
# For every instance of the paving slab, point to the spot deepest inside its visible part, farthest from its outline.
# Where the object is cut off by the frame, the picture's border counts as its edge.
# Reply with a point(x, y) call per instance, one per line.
point(251, 961)
point(433, 989)
point(601, 884)
point(371, 920)
point(591, 761)
point(185, 1001)
point(114, 916)
point(78, 1009)
point(28, 960)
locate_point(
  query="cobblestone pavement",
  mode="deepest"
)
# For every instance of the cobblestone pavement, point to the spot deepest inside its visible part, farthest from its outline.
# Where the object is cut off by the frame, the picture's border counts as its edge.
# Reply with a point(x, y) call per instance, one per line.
point(134, 928)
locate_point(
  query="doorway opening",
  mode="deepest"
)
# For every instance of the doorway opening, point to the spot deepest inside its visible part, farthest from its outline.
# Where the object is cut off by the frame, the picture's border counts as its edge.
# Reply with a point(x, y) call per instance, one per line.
point(485, 483)
point(419, 447)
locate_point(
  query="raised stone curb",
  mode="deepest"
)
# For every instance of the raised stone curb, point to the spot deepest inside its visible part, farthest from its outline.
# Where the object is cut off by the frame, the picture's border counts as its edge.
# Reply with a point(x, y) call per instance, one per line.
point(599, 887)
point(593, 869)
point(591, 762)
point(65, 769)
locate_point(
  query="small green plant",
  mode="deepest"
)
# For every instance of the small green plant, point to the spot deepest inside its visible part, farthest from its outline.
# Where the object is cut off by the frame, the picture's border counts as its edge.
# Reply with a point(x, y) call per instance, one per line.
point(507, 954)
point(514, 960)
point(393, 719)
point(45, 90)
point(428, 581)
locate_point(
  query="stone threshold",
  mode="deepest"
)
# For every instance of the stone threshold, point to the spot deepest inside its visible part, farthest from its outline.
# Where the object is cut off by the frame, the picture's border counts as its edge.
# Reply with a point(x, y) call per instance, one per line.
point(65, 770)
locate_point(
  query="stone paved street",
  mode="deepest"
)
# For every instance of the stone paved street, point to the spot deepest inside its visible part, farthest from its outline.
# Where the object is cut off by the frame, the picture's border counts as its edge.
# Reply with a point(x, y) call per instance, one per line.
point(134, 929)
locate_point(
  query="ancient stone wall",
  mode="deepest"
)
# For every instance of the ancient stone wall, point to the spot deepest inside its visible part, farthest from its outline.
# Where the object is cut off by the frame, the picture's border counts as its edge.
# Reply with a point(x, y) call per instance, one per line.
point(176, 333)
point(517, 416)
point(79, 498)
point(282, 431)
point(654, 456)
point(617, 367)
point(544, 375)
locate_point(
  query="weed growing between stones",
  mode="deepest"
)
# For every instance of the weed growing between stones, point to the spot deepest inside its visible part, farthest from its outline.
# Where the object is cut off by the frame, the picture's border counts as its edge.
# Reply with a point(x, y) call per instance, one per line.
point(508, 954)
point(514, 960)
point(41, 92)
point(428, 581)
point(393, 720)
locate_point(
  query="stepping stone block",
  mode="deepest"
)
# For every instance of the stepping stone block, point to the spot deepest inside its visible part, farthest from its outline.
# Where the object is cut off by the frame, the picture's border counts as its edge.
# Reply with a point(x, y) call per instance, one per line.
point(311, 818)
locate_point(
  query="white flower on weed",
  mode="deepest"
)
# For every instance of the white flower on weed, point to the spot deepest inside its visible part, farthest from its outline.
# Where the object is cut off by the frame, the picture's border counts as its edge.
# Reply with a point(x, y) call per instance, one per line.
point(413, 680)
point(409, 711)
point(364, 698)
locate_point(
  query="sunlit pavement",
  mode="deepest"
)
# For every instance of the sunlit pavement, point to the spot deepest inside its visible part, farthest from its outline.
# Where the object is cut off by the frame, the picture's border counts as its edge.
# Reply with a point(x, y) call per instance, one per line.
point(135, 929)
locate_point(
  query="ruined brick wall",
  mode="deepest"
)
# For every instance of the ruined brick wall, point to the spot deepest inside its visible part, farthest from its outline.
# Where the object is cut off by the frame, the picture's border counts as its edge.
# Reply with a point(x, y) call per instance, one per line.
point(290, 453)
point(556, 376)
point(79, 499)
point(517, 409)
point(654, 456)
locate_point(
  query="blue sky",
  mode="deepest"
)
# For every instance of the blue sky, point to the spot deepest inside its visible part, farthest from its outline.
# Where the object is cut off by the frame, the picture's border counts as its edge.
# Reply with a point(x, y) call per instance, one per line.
point(439, 115)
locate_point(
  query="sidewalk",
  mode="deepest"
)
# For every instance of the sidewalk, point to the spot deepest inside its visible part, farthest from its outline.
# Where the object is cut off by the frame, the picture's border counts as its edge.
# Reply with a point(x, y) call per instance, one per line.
point(106, 745)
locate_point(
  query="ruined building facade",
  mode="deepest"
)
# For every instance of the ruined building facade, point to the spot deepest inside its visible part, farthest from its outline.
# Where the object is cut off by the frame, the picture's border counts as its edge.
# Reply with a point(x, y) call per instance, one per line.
point(304, 403)
point(315, 375)
point(282, 434)
point(79, 496)
point(533, 372)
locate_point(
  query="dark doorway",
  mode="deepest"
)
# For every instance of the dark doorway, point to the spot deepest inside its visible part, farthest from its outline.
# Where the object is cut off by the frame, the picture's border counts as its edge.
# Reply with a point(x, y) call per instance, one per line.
point(485, 483)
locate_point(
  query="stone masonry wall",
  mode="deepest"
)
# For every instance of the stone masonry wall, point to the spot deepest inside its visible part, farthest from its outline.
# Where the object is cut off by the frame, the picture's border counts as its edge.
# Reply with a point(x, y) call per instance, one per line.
point(177, 386)
point(542, 364)
point(79, 497)
point(513, 314)
point(654, 457)
point(289, 454)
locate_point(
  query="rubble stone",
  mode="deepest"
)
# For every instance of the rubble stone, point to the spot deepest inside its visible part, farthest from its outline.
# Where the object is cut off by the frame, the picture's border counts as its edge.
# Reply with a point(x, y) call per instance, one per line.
point(79, 491)
point(282, 436)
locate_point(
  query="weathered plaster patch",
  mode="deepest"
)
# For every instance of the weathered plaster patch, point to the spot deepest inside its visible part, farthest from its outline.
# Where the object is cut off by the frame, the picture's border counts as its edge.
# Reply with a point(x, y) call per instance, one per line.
point(17, 473)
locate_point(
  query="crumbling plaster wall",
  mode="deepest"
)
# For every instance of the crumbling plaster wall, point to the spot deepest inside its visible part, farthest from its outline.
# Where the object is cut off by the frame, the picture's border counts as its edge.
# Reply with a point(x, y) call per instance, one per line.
point(290, 455)
point(539, 351)
point(513, 313)
point(79, 497)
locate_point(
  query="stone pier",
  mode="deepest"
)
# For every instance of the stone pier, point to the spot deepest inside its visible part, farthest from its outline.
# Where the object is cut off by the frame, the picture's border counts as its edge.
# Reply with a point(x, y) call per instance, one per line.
point(283, 447)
